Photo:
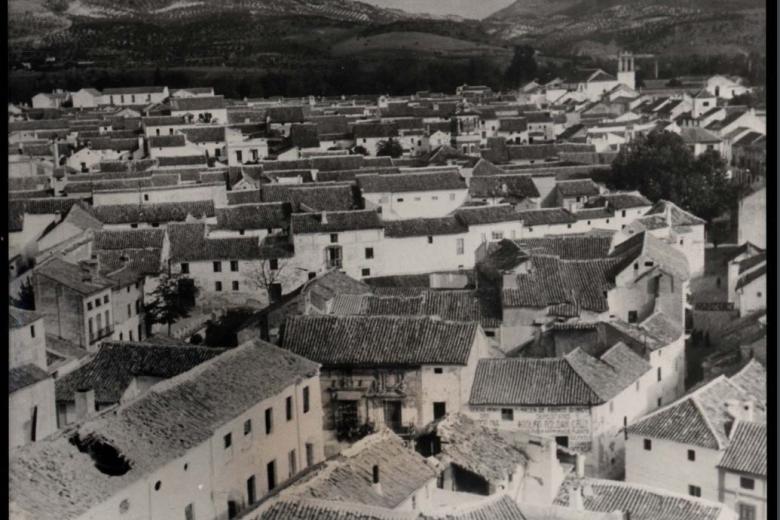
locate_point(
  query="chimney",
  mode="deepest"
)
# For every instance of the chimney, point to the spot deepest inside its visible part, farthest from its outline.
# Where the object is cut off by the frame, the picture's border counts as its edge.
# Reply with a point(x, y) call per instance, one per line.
point(579, 464)
point(85, 402)
point(89, 269)
point(575, 498)
point(324, 218)
point(504, 188)
point(376, 484)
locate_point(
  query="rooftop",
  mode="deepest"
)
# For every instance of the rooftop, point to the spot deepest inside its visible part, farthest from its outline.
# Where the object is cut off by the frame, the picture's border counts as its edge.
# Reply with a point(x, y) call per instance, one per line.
point(410, 182)
point(380, 340)
point(336, 221)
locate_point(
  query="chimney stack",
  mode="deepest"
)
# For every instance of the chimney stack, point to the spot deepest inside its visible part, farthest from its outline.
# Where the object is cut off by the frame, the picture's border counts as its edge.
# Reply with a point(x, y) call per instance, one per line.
point(324, 218)
point(575, 498)
point(85, 402)
point(90, 268)
point(580, 465)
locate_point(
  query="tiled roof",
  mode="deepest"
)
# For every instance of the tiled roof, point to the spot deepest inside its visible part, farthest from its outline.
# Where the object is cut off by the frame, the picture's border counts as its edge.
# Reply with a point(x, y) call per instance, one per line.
point(147, 261)
point(304, 135)
point(568, 247)
point(694, 134)
point(699, 419)
point(189, 243)
point(333, 283)
point(110, 239)
point(336, 221)
point(348, 476)
point(253, 216)
point(244, 197)
point(167, 141)
point(578, 379)
point(51, 479)
point(620, 201)
point(424, 226)
point(750, 277)
point(405, 182)
point(677, 215)
point(311, 196)
point(643, 502)
point(752, 379)
point(133, 90)
point(161, 212)
point(18, 318)
point(475, 447)
point(27, 183)
point(204, 134)
point(577, 188)
point(153, 121)
point(72, 276)
point(477, 215)
point(751, 262)
point(662, 327)
point(64, 348)
point(308, 509)
point(503, 185)
point(485, 167)
point(747, 451)
point(111, 370)
point(513, 124)
point(546, 216)
point(42, 206)
point(285, 114)
point(197, 103)
point(379, 341)
point(374, 130)
point(25, 375)
point(183, 160)
point(645, 244)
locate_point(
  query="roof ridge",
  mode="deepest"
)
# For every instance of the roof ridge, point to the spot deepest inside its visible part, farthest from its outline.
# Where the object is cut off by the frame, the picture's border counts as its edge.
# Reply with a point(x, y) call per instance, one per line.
point(707, 422)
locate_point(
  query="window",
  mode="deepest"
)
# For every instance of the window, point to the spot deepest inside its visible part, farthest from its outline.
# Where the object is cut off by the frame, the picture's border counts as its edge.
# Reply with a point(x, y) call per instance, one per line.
point(98, 303)
point(309, 454)
point(531, 229)
point(129, 310)
point(121, 337)
point(32, 331)
point(247, 426)
point(507, 414)
point(434, 198)
point(138, 306)
point(459, 246)
point(562, 440)
point(632, 316)
point(228, 440)
point(251, 495)
point(305, 399)
point(430, 239)
point(746, 512)
point(439, 410)
point(649, 264)
point(89, 306)
point(452, 196)
point(659, 402)
point(497, 235)
point(273, 264)
point(239, 156)
point(235, 285)
point(189, 512)
point(218, 286)
point(365, 272)
point(146, 197)
point(747, 483)
point(589, 222)
point(692, 455)
point(131, 335)
point(623, 213)
point(659, 374)
point(648, 445)
point(232, 509)
point(234, 266)
point(568, 226)
point(758, 294)
point(90, 327)
point(288, 403)
point(438, 370)
point(369, 253)
point(334, 238)
point(681, 241)
point(636, 266)
point(694, 491)
point(292, 463)
point(269, 421)
point(399, 200)
point(217, 267)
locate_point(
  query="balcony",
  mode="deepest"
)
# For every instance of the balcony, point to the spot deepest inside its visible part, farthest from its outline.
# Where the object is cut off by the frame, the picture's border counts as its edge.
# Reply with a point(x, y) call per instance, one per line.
point(99, 334)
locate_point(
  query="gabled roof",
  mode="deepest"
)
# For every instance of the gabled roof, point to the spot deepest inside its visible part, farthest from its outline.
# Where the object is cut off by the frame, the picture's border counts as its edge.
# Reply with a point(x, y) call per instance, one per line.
point(379, 341)
point(418, 227)
point(51, 479)
point(72, 276)
point(348, 476)
point(699, 418)
point(167, 141)
point(620, 201)
point(478, 215)
point(253, 216)
point(675, 214)
point(197, 103)
point(546, 217)
point(747, 450)
point(751, 276)
point(204, 134)
point(643, 502)
point(189, 243)
point(182, 160)
point(110, 371)
point(409, 182)
point(645, 244)
point(160, 212)
point(113, 239)
point(695, 134)
point(311, 196)
point(134, 90)
point(334, 221)
point(577, 188)
point(485, 167)
point(752, 379)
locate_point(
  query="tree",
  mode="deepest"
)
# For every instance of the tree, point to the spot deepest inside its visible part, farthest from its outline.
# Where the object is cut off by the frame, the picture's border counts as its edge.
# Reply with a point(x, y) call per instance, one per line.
point(269, 275)
point(25, 297)
point(661, 166)
point(389, 147)
point(522, 68)
point(172, 300)
point(360, 150)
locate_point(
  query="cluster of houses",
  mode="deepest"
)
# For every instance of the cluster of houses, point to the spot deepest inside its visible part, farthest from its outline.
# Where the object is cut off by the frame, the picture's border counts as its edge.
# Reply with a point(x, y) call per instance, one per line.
point(471, 328)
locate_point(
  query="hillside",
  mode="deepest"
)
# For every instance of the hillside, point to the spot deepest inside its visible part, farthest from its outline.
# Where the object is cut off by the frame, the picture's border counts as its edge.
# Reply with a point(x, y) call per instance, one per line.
point(664, 27)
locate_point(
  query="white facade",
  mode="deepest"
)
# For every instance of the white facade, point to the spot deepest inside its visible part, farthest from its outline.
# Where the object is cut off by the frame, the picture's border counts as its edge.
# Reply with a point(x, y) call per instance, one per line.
point(752, 219)
point(416, 204)
point(152, 195)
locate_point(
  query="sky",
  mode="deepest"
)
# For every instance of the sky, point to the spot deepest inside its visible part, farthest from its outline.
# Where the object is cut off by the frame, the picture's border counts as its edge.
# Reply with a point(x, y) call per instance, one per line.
point(466, 8)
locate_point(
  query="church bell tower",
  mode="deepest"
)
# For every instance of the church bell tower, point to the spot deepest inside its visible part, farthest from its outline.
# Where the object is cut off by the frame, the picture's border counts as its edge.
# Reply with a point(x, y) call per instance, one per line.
point(626, 74)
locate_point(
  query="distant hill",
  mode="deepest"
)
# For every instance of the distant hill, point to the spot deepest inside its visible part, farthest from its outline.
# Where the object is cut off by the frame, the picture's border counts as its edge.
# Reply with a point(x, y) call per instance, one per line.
point(469, 9)
point(670, 27)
